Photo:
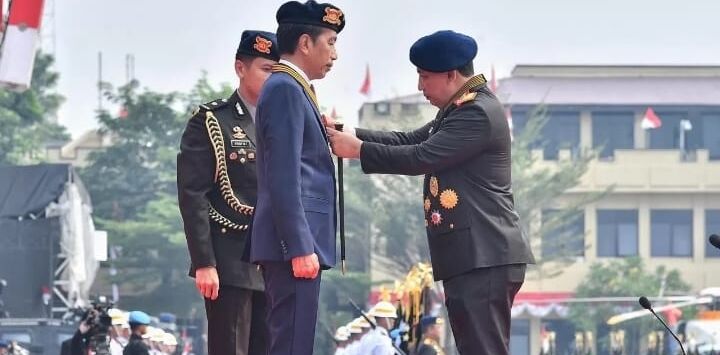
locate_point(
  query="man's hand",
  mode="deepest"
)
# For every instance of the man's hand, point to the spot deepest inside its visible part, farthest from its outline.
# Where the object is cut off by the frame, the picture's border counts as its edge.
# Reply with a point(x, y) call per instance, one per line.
point(207, 282)
point(328, 121)
point(344, 144)
point(306, 267)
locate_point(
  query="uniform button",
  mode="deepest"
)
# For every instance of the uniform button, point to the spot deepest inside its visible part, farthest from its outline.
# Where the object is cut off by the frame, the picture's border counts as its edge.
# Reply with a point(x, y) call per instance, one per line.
point(452, 226)
point(223, 231)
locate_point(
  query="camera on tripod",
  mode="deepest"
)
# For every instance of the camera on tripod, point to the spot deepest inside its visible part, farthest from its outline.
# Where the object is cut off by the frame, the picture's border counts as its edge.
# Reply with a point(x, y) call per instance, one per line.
point(98, 323)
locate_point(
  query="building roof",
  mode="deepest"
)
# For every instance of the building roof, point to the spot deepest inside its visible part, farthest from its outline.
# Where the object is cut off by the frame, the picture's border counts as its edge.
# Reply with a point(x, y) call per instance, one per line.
point(611, 85)
point(416, 98)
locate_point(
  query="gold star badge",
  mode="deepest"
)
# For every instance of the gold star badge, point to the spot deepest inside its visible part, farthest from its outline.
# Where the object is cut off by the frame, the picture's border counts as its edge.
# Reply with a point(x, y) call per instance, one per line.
point(448, 199)
point(434, 187)
point(426, 204)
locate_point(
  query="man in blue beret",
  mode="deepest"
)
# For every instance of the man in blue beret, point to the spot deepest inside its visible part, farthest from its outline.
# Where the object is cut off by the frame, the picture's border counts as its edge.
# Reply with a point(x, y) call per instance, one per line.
point(216, 192)
point(293, 234)
point(472, 227)
point(139, 322)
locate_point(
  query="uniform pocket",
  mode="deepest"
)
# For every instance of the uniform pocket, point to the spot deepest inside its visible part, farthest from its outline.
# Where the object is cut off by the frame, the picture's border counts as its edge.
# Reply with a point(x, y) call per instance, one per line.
point(315, 204)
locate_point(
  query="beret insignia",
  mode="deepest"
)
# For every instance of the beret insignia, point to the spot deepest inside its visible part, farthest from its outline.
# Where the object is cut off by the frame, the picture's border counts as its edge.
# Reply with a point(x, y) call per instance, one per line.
point(333, 16)
point(262, 45)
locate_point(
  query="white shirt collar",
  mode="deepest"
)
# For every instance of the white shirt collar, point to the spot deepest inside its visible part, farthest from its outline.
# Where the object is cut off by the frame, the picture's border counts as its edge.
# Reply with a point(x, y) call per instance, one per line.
point(251, 108)
point(296, 68)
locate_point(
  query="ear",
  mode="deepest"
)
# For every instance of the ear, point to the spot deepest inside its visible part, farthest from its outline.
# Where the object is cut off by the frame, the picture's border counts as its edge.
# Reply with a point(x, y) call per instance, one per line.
point(304, 43)
point(452, 75)
point(240, 69)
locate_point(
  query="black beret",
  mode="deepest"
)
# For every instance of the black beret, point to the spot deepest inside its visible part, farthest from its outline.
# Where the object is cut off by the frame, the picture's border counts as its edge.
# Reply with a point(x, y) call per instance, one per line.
point(443, 51)
point(258, 44)
point(311, 13)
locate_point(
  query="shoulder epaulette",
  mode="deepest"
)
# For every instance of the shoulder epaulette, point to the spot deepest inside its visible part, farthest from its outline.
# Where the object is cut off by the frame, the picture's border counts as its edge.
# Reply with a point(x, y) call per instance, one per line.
point(209, 106)
point(467, 97)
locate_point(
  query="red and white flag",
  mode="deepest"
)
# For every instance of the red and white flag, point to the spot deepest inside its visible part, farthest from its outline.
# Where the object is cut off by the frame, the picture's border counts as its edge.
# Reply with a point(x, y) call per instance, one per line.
point(21, 42)
point(651, 120)
point(365, 88)
point(2, 18)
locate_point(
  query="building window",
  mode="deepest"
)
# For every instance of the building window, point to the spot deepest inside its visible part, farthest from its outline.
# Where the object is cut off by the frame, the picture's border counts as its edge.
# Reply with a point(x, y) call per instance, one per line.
point(565, 240)
point(613, 130)
point(617, 233)
point(409, 109)
point(668, 135)
point(562, 131)
point(382, 108)
point(710, 136)
point(712, 226)
point(671, 233)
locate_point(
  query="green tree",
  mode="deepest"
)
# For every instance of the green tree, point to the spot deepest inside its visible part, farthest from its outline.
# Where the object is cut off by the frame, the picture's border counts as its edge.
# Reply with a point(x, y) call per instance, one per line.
point(132, 184)
point(622, 278)
point(396, 200)
point(26, 124)
point(536, 188)
point(203, 91)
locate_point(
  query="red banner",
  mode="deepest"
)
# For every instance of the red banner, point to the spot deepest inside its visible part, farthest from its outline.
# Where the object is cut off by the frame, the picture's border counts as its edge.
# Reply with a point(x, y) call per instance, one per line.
point(26, 13)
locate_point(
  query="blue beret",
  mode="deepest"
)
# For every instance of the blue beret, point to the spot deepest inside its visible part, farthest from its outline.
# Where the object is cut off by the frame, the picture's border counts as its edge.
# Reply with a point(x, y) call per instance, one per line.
point(430, 320)
point(258, 44)
point(443, 51)
point(138, 317)
point(167, 317)
point(311, 13)
point(3, 344)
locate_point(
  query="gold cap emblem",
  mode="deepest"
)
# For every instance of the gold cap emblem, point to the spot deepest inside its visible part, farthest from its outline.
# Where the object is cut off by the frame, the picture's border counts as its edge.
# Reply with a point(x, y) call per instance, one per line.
point(262, 45)
point(333, 16)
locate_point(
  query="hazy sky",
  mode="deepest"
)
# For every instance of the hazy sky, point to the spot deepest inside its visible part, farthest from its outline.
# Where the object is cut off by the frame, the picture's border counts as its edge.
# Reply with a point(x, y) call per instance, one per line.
point(174, 41)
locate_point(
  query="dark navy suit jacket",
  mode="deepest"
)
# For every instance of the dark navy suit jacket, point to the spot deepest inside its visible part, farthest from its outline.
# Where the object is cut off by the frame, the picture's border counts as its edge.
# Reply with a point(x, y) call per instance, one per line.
point(295, 211)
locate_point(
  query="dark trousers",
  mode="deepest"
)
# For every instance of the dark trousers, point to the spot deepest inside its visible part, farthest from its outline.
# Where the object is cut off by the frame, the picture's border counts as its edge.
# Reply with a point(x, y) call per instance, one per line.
point(292, 306)
point(478, 304)
point(236, 322)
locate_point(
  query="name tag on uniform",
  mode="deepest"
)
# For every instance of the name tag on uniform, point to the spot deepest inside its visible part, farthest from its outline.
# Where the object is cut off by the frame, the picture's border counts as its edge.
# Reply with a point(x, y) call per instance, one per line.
point(240, 143)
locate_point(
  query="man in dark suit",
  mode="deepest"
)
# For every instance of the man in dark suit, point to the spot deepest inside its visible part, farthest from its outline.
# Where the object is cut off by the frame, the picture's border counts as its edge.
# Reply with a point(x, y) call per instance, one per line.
point(216, 192)
point(476, 245)
point(293, 234)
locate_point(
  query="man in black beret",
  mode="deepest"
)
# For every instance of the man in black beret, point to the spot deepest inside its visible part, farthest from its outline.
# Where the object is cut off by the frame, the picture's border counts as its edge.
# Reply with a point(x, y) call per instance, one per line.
point(217, 190)
point(293, 234)
point(476, 245)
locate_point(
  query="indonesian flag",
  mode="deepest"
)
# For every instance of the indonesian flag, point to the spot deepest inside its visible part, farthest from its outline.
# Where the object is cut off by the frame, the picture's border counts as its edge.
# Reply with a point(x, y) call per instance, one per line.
point(2, 19)
point(651, 120)
point(365, 88)
point(21, 42)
